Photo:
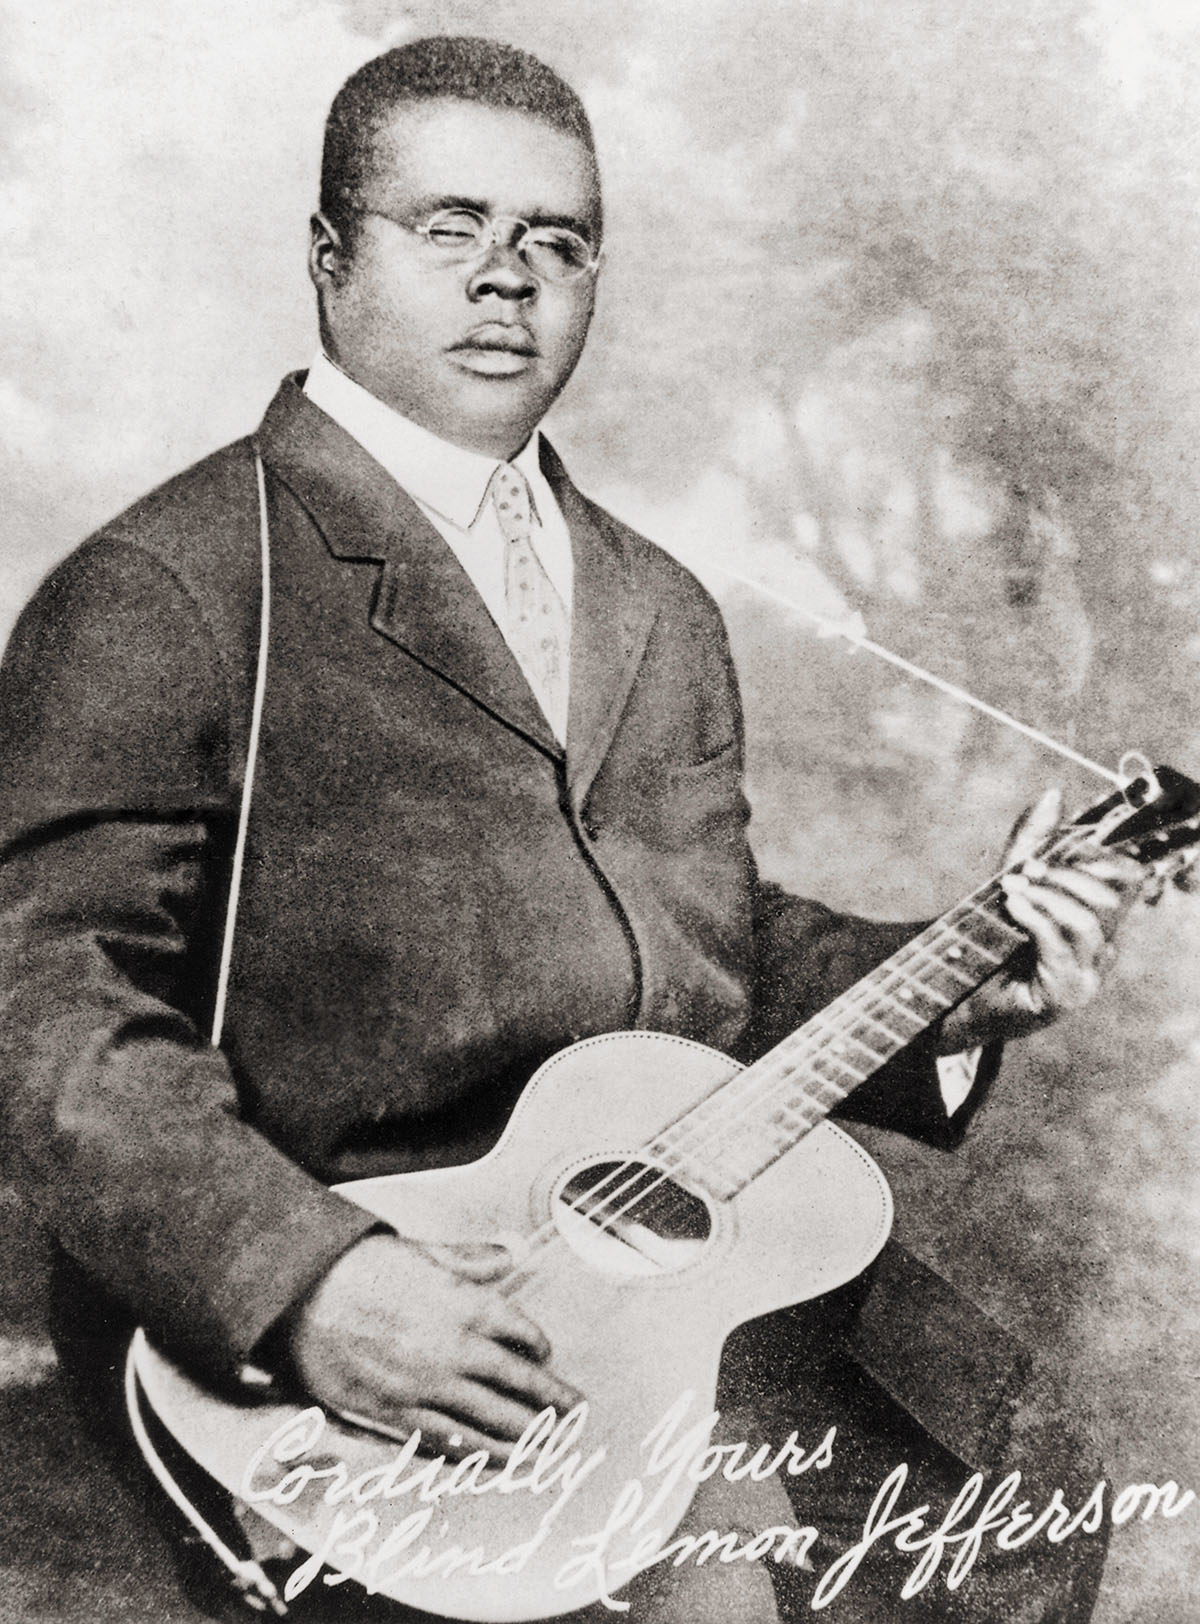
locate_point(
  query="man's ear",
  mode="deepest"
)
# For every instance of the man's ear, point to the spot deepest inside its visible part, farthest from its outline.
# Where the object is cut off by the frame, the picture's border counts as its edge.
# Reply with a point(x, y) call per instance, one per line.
point(327, 257)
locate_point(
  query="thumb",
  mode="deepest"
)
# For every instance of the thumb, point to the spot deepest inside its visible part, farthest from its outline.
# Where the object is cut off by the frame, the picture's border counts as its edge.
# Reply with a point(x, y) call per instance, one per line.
point(1035, 824)
point(480, 1261)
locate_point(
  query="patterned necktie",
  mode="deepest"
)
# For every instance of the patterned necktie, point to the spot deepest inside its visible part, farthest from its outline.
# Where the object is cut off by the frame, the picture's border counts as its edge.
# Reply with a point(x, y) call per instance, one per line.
point(539, 631)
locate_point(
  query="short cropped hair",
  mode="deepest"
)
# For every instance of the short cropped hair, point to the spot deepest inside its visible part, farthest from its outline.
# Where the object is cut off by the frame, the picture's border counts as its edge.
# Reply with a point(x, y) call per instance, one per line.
point(458, 67)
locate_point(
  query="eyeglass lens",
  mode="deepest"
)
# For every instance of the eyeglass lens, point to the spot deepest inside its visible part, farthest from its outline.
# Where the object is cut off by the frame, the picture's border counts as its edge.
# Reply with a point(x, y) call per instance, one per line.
point(551, 252)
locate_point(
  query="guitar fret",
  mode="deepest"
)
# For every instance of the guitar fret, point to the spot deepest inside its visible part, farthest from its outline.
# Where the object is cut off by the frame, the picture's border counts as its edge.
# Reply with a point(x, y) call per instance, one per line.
point(823, 1091)
point(911, 996)
point(864, 1031)
point(849, 1035)
point(944, 981)
point(842, 1068)
point(987, 929)
point(965, 942)
point(946, 962)
point(809, 1113)
point(899, 1039)
point(794, 1116)
point(903, 1002)
point(779, 1121)
point(788, 1065)
point(962, 957)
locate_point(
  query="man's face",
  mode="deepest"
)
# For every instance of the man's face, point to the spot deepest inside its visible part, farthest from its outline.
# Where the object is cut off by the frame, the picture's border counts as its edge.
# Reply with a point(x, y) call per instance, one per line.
point(474, 350)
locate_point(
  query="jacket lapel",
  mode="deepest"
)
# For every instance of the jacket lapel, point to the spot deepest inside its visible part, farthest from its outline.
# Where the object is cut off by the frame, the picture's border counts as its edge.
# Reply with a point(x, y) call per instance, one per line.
point(425, 602)
point(611, 619)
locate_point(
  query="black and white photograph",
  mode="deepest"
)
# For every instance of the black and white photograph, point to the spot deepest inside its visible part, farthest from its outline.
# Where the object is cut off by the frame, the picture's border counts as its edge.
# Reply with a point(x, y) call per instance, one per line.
point(600, 812)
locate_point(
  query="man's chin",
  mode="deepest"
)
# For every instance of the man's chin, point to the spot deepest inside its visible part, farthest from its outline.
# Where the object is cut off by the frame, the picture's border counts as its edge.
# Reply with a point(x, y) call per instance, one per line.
point(491, 412)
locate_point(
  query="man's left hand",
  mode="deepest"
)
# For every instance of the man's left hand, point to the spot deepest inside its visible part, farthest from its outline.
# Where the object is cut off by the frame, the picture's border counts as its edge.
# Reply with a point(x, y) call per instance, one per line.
point(1070, 911)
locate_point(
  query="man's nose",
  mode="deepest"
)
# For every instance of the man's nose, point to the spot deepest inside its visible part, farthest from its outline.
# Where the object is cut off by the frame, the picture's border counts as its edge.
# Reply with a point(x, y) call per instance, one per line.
point(503, 272)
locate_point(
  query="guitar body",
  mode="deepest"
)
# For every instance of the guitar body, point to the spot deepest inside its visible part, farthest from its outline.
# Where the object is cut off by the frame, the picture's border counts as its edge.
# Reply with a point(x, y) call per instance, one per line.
point(636, 1321)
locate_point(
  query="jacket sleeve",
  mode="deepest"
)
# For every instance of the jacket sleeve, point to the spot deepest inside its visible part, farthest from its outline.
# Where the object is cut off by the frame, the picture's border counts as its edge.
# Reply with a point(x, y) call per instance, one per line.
point(118, 792)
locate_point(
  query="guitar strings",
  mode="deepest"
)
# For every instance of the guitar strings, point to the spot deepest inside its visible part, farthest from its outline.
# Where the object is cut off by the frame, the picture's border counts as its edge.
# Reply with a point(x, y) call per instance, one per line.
point(758, 1082)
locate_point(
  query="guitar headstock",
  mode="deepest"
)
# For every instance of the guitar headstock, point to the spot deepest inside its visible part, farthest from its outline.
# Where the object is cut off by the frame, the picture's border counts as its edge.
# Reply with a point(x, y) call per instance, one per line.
point(1154, 818)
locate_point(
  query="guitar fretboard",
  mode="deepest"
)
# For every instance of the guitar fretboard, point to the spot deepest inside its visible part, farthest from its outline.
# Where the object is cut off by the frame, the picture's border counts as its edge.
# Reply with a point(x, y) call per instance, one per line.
point(737, 1132)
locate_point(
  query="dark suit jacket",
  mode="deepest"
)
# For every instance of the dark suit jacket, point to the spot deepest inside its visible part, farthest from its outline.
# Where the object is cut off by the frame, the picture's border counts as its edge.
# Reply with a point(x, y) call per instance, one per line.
point(436, 897)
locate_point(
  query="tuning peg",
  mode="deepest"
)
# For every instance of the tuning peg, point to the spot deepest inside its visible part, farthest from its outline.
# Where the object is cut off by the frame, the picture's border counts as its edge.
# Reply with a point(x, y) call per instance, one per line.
point(1180, 872)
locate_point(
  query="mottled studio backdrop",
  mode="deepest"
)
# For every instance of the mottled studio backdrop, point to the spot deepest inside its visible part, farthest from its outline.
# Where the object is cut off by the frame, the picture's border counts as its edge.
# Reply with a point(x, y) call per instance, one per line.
point(901, 316)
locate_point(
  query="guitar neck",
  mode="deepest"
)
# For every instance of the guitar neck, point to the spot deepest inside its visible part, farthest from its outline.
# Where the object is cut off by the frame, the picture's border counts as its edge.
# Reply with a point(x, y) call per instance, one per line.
point(751, 1120)
point(735, 1134)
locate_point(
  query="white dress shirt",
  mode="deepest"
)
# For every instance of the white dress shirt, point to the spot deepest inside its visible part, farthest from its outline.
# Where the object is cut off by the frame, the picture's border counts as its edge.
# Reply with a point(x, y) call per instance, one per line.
point(449, 484)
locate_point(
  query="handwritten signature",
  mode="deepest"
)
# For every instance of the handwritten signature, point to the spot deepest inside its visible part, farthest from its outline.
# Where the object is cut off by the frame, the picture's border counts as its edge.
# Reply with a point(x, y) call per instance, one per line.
point(1012, 1525)
point(550, 1461)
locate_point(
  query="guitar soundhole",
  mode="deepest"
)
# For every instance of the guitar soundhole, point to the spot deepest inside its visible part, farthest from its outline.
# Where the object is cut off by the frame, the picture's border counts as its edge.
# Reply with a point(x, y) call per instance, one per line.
point(632, 1218)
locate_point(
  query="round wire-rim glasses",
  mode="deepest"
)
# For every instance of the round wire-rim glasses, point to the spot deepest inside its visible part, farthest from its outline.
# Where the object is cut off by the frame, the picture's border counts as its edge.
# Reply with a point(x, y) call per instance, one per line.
point(552, 253)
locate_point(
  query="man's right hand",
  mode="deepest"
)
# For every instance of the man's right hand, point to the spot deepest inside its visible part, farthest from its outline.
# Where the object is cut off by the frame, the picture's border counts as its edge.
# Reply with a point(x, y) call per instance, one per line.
point(399, 1336)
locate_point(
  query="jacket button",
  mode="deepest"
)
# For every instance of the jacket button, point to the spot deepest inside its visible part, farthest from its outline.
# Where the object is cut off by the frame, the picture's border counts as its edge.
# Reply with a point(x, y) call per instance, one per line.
point(590, 825)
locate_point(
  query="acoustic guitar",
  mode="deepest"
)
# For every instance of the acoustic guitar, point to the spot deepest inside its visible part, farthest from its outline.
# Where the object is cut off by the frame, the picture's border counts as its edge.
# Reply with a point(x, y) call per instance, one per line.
point(654, 1196)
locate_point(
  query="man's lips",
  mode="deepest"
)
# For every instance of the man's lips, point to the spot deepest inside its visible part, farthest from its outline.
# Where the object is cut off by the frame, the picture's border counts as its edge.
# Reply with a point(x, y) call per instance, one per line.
point(496, 336)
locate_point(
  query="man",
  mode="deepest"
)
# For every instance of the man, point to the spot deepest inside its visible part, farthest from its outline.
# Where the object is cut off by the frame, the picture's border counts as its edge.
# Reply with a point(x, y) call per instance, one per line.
point(496, 808)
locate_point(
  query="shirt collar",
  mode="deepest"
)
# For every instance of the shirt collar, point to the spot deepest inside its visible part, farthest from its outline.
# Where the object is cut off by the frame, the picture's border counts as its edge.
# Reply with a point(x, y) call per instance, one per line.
point(446, 478)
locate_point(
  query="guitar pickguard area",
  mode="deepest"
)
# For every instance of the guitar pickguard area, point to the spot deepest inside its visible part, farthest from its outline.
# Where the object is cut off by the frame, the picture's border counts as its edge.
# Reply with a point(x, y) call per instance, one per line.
point(627, 1216)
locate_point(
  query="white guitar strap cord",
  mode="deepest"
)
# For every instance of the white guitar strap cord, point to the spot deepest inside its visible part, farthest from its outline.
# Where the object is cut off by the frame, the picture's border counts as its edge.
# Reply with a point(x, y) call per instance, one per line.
point(853, 634)
point(260, 689)
point(248, 1575)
